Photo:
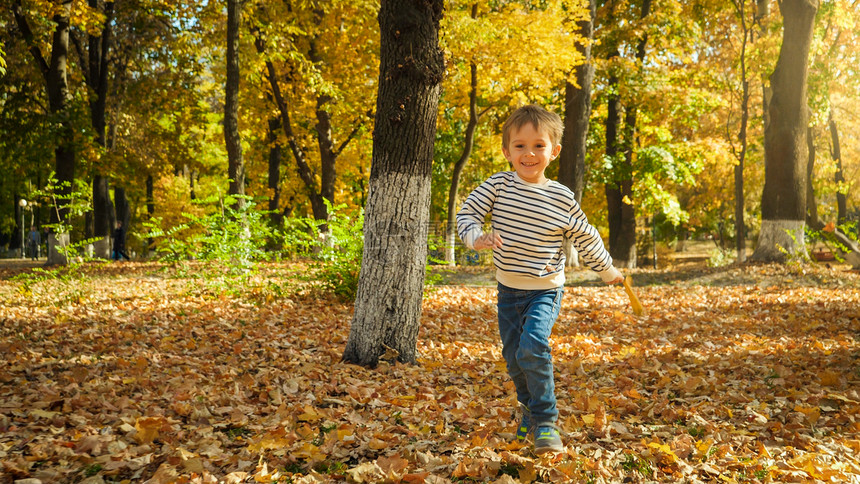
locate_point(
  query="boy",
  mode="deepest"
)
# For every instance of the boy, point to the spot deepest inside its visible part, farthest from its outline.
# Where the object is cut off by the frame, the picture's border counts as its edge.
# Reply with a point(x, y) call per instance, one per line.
point(530, 218)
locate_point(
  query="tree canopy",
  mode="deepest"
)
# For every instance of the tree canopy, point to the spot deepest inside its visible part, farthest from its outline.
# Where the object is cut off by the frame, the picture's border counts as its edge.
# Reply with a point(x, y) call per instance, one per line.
point(308, 86)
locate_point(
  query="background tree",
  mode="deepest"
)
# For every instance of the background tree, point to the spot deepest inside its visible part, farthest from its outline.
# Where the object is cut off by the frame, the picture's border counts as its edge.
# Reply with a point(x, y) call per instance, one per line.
point(742, 139)
point(56, 77)
point(786, 151)
point(232, 138)
point(620, 141)
point(317, 60)
point(94, 62)
point(387, 309)
point(491, 71)
point(825, 176)
point(577, 113)
point(679, 109)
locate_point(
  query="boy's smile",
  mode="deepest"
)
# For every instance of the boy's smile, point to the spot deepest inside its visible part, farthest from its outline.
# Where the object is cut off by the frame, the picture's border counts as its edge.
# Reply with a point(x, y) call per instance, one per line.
point(530, 151)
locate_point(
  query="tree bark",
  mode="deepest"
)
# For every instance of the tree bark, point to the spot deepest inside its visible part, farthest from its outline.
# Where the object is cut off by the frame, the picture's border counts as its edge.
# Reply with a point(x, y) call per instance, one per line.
point(390, 288)
point(811, 202)
point(232, 139)
point(96, 77)
point(839, 177)
point(740, 224)
point(275, 156)
point(784, 195)
point(150, 206)
point(614, 190)
point(328, 158)
point(103, 215)
point(577, 112)
point(325, 142)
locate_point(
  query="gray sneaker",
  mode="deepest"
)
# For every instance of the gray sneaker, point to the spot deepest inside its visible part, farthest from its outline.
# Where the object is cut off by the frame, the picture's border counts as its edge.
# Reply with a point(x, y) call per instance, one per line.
point(547, 439)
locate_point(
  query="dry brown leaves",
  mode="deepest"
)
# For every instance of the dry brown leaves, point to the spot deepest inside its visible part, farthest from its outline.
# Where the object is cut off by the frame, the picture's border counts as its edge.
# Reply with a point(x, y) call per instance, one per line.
point(133, 376)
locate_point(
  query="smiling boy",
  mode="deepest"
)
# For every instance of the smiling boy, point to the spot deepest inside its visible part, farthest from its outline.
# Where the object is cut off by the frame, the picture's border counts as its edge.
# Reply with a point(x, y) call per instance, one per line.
point(530, 217)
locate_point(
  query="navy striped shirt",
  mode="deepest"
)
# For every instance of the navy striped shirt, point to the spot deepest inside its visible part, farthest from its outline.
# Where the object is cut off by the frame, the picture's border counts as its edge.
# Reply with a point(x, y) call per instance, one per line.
point(532, 220)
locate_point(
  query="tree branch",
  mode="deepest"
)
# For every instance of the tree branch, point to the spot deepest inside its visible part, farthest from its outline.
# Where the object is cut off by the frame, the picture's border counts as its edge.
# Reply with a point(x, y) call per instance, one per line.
point(351, 136)
point(27, 33)
point(304, 170)
point(82, 56)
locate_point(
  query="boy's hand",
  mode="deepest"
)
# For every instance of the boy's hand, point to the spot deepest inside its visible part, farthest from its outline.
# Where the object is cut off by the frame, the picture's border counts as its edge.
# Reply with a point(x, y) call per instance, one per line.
point(490, 240)
point(617, 277)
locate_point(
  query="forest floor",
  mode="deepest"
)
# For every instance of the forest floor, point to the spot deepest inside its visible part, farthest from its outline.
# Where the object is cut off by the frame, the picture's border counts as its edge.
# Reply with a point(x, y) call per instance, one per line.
point(141, 372)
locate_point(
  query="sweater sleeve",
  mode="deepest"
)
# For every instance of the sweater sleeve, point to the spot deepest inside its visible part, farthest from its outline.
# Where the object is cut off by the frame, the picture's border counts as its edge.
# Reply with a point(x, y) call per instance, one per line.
point(470, 218)
point(588, 243)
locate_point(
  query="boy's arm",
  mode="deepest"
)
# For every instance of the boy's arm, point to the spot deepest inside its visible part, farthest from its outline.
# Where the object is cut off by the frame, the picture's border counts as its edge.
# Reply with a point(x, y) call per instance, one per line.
point(470, 218)
point(590, 246)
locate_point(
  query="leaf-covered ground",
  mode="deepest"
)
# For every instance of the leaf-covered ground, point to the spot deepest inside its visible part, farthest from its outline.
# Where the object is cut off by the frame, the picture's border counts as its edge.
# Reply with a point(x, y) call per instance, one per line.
point(134, 373)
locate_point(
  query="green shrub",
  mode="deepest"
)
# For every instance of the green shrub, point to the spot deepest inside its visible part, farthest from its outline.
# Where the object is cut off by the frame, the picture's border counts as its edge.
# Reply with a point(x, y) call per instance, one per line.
point(336, 248)
point(721, 257)
point(235, 236)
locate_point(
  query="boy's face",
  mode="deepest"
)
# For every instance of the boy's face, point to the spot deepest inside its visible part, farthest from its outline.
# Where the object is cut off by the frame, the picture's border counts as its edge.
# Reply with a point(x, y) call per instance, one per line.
point(530, 151)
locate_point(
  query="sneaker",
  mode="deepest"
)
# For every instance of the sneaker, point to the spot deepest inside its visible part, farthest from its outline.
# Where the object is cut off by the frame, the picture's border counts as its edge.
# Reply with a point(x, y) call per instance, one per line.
point(524, 429)
point(547, 439)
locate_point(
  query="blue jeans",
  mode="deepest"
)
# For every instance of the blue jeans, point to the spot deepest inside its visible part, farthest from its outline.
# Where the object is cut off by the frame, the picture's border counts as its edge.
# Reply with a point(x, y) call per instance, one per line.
point(526, 319)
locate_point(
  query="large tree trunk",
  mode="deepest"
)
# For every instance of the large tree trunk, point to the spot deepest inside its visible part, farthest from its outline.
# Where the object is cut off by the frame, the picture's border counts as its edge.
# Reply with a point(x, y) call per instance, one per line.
point(784, 195)
point(577, 112)
point(391, 283)
point(232, 139)
point(468, 143)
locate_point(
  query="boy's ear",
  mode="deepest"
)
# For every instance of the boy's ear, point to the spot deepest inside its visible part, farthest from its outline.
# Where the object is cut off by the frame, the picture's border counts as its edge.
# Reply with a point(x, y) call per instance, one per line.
point(556, 150)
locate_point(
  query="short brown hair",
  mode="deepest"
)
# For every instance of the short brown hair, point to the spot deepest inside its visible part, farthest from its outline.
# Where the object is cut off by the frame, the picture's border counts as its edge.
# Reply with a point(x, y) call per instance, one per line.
point(539, 117)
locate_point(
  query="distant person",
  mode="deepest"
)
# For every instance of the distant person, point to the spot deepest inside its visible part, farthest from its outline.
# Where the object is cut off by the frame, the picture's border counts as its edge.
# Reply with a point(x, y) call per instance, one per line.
point(34, 243)
point(119, 243)
point(530, 217)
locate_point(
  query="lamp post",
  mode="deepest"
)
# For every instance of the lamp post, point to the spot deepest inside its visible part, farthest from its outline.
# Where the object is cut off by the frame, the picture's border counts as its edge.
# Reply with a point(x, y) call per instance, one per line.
point(23, 204)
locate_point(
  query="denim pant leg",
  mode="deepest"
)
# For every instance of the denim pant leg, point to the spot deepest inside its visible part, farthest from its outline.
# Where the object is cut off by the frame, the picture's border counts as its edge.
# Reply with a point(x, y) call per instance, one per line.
point(526, 319)
point(510, 330)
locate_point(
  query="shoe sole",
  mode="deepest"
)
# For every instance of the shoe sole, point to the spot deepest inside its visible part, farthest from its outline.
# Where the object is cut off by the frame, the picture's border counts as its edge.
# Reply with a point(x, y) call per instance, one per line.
point(544, 450)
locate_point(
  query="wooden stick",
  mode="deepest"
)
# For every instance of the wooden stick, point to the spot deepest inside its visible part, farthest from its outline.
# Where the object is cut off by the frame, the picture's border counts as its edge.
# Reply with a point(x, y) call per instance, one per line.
point(634, 301)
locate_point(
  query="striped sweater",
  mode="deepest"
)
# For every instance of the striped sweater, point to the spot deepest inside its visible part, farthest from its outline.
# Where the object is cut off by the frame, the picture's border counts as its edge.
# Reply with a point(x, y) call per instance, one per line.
point(532, 220)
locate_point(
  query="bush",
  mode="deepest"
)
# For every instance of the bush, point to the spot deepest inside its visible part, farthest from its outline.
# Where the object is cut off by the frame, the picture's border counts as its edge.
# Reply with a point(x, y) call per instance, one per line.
point(335, 246)
point(236, 236)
